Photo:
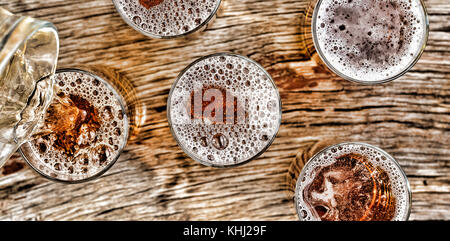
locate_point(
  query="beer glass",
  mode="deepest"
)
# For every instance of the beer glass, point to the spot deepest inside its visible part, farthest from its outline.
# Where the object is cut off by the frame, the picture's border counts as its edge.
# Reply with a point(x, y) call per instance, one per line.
point(224, 110)
point(367, 41)
point(166, 19)
point(84, 130)
point(28, 55)
point(352, 182)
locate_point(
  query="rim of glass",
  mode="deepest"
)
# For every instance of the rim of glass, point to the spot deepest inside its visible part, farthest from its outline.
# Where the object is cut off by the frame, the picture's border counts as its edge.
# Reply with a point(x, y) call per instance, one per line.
point(398, 75)
point(189, 153)
point(152, 35)
point(302, 173)
point(120, 150)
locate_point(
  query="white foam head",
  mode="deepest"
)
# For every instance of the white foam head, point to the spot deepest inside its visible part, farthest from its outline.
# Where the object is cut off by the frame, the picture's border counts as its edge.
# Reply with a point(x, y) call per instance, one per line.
point(225, 144)
point(169, 18)
point(375, 156)
point(96, 149)
point(369, 40)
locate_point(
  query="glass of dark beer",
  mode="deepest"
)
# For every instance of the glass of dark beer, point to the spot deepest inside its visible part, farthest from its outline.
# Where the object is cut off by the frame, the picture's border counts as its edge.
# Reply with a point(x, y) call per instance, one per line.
point(224, 110)
point(167, 18)
point(352, 182)
point(83, 130)
point(369, 41)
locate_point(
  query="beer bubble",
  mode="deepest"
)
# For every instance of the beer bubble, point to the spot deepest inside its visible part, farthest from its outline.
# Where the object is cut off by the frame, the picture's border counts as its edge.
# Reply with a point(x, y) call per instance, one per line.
point(203, 141)
point(137, 20)
point(100, 154)
point(272, 106)
point(210, 157)
point(264, 137)
point(42, 147)
point(108, 113)
point(96, 82)
point(220, 141)
point(120, 115)
point(57, 166)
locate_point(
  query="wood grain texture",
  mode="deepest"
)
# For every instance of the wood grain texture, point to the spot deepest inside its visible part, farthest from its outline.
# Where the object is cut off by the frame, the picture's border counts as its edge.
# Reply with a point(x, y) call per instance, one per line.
point(155, 180)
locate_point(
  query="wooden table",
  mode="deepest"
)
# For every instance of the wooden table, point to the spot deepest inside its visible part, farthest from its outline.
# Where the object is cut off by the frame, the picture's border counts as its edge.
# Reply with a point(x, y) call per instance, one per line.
point(155, 180)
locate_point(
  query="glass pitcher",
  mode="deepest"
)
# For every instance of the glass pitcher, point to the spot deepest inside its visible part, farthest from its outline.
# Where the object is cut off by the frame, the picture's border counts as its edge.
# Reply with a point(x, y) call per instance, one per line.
point(28, 55)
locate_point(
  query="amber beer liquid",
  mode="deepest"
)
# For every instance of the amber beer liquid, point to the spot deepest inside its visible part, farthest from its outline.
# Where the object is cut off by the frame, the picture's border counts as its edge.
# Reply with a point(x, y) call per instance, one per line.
point(224, 110)
point(352, 182)
point(83, 132)
point(369, 41)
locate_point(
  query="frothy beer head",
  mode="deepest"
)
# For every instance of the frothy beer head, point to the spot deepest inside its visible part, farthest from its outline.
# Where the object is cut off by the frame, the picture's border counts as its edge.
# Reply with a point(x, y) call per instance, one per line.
point(83, 132)
point(352, 182)
point(224, 110)
point(167, 18)
point(369, 41)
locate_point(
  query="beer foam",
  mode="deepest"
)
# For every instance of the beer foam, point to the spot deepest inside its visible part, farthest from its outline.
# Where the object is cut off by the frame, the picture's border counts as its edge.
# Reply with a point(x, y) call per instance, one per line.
point(370, 40)
point(96, 149)
point(378, 158)
point(169, 18)
point(226, 144)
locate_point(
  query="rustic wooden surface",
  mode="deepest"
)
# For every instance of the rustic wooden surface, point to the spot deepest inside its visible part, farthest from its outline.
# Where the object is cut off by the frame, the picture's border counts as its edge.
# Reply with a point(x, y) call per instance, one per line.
point(155, 180)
